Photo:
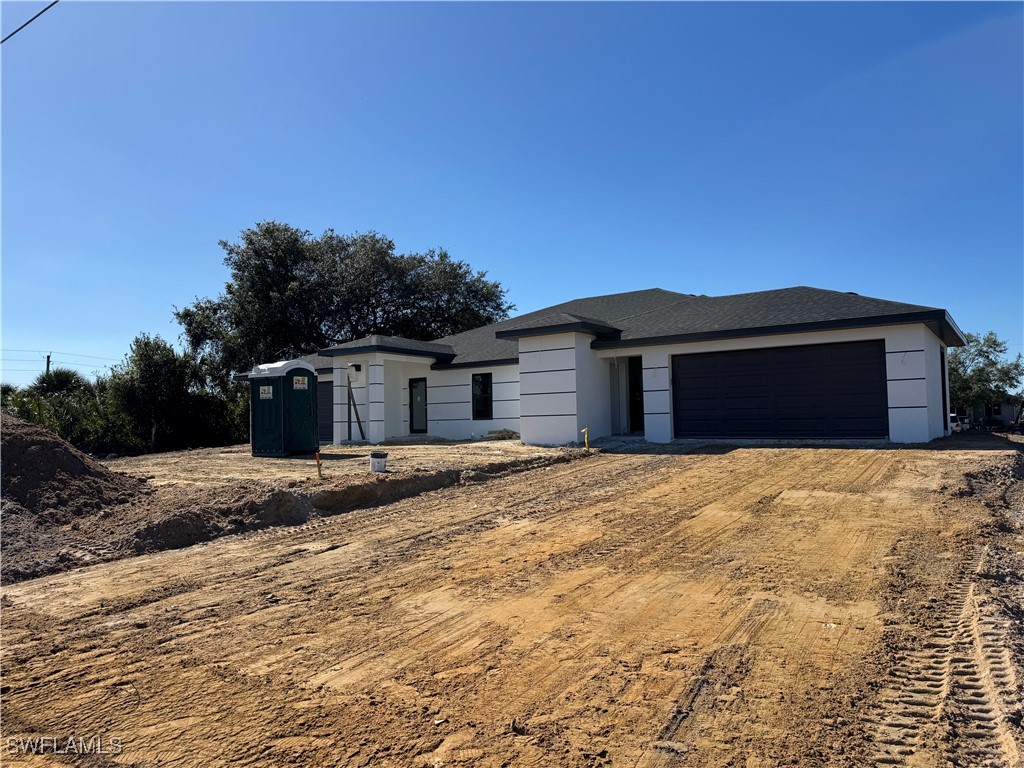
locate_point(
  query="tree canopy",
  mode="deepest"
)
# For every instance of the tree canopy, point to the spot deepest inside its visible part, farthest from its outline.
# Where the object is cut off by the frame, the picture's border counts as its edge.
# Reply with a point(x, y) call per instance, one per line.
point(291, 293)
point(156, 399)
point(980, 374)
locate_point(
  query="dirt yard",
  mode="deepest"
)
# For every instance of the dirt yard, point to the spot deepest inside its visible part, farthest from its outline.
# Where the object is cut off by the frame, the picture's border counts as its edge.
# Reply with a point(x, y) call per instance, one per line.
point(62, 509)
point(723, 607)
point(226, 466)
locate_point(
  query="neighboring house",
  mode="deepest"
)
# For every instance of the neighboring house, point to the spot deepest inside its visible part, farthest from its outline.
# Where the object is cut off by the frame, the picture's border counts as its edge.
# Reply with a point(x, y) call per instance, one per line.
point(996, 413)
point(790, 363)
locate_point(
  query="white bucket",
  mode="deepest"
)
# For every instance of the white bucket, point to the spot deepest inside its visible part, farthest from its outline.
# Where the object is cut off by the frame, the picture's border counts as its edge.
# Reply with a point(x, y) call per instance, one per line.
point(378, 461)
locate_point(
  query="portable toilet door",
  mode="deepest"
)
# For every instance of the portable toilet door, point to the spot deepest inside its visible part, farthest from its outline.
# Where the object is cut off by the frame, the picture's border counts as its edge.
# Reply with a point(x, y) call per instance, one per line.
point(300, 406)
point(267, 420)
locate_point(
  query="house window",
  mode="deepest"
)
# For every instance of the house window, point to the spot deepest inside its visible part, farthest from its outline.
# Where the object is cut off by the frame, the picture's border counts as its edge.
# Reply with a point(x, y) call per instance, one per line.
point(483, 400)
point(997, 409)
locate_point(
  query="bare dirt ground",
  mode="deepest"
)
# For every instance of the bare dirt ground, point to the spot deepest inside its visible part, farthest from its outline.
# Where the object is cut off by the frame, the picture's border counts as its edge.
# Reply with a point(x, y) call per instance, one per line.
point(227, 466)
point(62, 509)
point(724, 607)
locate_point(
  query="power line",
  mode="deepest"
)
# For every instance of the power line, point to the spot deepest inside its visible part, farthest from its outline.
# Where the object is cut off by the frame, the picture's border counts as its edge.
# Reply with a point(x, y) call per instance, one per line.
point(94, 366)
point(29, 21)
point(69, 354)
point(94, 357)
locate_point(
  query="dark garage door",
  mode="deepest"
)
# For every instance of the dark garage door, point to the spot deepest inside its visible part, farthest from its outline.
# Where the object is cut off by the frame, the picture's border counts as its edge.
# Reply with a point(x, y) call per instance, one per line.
point(819, 390)
point(325, 411)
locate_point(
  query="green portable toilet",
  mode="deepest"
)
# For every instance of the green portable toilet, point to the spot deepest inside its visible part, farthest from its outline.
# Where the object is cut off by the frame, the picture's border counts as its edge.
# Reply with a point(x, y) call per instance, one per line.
point(283, 416)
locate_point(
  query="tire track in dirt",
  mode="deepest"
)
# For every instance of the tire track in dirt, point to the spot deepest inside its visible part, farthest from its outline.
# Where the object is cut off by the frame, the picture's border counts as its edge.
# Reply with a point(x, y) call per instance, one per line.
point(950, 698)
point(963, 672)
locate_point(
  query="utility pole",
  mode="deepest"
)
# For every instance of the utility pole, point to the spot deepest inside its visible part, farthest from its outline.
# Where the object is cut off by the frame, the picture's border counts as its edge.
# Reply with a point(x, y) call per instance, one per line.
point(47, 363)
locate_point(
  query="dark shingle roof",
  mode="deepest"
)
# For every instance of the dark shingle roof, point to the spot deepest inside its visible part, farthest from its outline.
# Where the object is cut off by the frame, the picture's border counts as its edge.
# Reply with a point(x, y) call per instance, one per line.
point(656, 315)
point(321, 363)
point(481, 345)
point(748, 311)
point(390, 344)
point(554, 322)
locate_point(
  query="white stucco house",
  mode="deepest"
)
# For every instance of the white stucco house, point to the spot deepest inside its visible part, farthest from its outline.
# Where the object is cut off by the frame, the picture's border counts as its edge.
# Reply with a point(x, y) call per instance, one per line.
point(791, 363)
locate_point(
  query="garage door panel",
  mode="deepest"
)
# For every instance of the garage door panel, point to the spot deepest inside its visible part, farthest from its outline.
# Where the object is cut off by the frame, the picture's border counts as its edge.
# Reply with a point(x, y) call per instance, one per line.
point(325, 411)
point(705, 403)
point(822, 390)
point(730, 400)
point(857, 424)
point(732, 424)
point(744, 414)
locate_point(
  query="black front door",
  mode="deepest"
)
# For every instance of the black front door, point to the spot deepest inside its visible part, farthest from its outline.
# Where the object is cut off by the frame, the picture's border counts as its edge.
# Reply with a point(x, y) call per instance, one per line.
point(636, 395)
point(417, 406)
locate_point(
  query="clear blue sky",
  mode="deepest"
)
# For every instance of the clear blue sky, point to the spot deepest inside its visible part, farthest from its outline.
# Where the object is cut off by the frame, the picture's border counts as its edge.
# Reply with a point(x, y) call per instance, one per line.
point(568, 149)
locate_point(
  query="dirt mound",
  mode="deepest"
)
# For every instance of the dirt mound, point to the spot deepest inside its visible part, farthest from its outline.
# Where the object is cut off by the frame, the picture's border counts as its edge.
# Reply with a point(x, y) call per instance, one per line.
point(44, 476)
point(191, 516)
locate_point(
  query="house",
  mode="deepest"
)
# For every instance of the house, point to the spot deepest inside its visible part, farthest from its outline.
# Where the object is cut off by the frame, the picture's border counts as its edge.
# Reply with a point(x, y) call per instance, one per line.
point(791, 363)
point(994, 414)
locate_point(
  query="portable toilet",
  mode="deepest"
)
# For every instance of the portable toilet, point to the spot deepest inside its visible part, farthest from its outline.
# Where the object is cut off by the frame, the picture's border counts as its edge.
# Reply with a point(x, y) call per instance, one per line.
point(283, 418)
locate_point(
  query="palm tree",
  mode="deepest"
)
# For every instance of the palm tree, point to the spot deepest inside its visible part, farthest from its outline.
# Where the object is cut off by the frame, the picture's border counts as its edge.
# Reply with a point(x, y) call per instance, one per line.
point(7, 392)
point(60, 381)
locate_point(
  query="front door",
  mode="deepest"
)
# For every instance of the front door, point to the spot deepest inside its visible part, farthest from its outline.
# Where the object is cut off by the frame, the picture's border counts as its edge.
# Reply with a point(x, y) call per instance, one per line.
point(636, 395)
point(417, 406)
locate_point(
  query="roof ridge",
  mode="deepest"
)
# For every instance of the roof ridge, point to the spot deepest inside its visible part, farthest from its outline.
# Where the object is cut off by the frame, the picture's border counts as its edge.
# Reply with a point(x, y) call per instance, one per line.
point(686, 297)
point(820, 290)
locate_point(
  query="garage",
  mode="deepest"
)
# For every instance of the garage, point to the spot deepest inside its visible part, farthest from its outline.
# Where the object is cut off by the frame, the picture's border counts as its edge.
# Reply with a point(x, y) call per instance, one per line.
point(325, 411)
point(810, 391)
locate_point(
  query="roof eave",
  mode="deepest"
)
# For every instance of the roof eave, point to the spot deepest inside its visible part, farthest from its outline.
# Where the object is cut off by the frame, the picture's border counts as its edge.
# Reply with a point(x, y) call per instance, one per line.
point(952, 335)
point(389, 348)
point(582, 327)
point(475, 364)
point(938, 321)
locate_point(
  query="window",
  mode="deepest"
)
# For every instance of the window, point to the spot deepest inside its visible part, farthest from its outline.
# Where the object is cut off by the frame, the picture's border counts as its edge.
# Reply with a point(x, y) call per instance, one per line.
point(997, 409)
point(483, 400)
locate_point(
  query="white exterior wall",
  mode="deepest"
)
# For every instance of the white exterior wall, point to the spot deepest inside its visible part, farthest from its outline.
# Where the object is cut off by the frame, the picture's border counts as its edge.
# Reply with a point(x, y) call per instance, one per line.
point(913, 384)
point(657, 397)
point(340, 390)
point(547, 389)
point(381, 391)
point(934, 395)
point(450, 402)
point(593, 397)
point(394, 380)
point(345, 374)
point(375, 427)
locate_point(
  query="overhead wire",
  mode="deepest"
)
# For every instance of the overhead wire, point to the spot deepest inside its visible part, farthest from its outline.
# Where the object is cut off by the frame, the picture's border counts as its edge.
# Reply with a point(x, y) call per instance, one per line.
point(8, 37)
point(69, 354)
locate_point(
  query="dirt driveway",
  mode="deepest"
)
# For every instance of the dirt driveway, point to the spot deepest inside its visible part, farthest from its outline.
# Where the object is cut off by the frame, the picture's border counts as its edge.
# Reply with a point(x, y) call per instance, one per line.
point(731, 607)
